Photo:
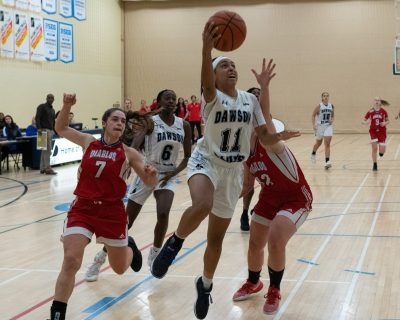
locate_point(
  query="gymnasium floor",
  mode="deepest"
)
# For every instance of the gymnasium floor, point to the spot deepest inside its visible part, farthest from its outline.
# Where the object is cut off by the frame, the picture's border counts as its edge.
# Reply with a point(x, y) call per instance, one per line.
point(342, 264)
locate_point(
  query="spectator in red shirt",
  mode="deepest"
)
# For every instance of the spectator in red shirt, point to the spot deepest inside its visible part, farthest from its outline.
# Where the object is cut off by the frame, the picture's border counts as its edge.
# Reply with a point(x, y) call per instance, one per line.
point(143, 107)
point(154, 105)
point(194, 117)
point(181, 110)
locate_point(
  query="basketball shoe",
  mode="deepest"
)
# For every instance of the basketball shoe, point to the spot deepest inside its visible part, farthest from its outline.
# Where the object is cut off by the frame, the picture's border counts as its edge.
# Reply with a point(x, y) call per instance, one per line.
point(328, 165)
point(93, 271)
point(203, 299)
point(273, 297)
point(246, 290)
point(152, 255)
point(137, 259)
point(244, 222)
point(164, 259)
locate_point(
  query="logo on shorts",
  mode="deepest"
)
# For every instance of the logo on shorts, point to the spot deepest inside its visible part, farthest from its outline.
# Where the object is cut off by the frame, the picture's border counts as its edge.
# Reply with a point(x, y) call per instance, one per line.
point(122, 236)
point(133, 191)
point(199, 166)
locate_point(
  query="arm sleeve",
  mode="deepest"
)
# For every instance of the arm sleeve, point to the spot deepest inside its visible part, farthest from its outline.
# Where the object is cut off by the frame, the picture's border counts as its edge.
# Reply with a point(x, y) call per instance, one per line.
point(258, 117)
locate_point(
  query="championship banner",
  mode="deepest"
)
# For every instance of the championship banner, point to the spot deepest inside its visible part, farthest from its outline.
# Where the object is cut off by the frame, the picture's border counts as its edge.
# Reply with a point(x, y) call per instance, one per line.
point(21, 36)
point(65, 7)
point(22, 4)
point(36, 38)
point(66, 42)
point(35, 5)
point(80, 9)
point(50, 39)
point(10, 3)
point(7, 33)
point(49, 6)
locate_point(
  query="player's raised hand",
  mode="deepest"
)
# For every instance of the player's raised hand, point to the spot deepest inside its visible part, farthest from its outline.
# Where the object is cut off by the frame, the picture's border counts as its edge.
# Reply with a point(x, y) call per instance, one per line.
point(267, 73)
point(210, 36)
point(69, 99)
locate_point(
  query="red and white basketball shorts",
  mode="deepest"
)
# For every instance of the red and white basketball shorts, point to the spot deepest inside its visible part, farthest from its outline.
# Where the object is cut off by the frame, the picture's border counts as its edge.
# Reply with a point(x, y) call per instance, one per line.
point(379, 136)
point(294, 208)
point(107, 220)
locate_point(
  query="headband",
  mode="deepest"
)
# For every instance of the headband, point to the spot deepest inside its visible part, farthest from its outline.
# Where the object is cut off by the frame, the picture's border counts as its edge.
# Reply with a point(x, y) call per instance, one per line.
point(218, 60)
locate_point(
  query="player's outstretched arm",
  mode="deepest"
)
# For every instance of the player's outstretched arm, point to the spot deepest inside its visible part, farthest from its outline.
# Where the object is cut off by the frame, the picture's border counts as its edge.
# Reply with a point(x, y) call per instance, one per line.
point(147, 173)
point(62, 126)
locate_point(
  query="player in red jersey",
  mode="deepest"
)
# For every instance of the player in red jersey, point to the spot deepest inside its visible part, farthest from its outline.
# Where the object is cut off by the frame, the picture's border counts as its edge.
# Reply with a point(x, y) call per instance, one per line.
point(98, 207)
point(284, 203)
point(378, 119)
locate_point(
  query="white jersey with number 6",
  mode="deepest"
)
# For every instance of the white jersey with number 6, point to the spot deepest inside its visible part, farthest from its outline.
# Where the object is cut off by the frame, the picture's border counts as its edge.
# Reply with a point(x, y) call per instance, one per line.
point(161, 148)
point(229, 123)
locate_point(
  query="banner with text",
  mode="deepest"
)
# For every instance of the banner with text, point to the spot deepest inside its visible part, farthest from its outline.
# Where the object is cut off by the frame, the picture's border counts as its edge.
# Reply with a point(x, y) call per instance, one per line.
point(7, 33)
point(66, 37)
point(50, 39)
point(21, 35)
point(36, 38)
point(49, 6)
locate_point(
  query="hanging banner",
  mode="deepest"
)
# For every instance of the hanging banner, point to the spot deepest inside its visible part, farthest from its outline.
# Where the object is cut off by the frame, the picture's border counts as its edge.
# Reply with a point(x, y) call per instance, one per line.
point(36, 38)
point(80, 9)
point(7, 33)
point(21, 36)
point(66, 42)
point(22, 4)
point(50, 39)
point(49, 6)
point(8, 2)
point(65, 7)
point(35, 5)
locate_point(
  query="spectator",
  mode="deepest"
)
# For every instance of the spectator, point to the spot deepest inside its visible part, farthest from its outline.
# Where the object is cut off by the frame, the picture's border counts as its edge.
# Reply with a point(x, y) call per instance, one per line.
point(31, 130)
point(194, 117)
point(180, 110)
point(71, 118)
point(128, 105)
point(45, 117)
point(11, 130)
point(154, 105)
point(2, 124)
point(143, 108)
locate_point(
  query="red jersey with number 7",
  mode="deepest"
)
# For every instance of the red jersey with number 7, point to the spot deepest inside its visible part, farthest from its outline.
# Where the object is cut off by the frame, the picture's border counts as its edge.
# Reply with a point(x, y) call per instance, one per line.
point(103, 172)
point(377, 117)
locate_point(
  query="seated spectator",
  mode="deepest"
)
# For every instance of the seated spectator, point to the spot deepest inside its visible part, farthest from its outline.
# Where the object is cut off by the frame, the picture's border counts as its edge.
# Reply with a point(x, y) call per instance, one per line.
point(128, 105)
point(31, 130)
point(71, 118)
point(2, 124)
point(11, 130)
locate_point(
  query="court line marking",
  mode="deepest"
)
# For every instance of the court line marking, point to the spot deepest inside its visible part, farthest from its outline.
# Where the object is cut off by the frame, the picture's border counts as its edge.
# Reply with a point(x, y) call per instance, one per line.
point(397, 152)
point(321, 249)
point(131, 289)
point(350, 292)
point(43, 302)
point(16, 277)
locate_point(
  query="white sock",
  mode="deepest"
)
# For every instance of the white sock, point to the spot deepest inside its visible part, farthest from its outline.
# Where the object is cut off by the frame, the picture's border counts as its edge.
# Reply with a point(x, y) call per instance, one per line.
point(206, 282)
point(155, 249)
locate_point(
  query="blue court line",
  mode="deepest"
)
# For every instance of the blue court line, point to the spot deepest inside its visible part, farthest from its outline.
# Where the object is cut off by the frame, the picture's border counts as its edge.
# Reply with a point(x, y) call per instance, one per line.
point(98, 305)
point(131, 289)
point(308, 262)
point(360, 272)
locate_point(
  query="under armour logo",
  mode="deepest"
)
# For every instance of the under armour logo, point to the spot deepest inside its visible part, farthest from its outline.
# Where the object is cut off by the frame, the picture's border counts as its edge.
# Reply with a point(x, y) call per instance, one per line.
point(199, 166)
point(134, 190)
point(122, 236)
point(224, 102)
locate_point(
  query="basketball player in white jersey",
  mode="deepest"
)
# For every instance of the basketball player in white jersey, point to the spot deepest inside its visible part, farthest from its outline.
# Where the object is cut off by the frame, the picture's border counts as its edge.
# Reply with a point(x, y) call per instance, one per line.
point(161, 149)
point(322, 119)
point(215, 170)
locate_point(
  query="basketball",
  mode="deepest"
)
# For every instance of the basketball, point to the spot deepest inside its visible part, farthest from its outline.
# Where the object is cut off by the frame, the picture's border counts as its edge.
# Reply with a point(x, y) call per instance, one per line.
point(232, 29)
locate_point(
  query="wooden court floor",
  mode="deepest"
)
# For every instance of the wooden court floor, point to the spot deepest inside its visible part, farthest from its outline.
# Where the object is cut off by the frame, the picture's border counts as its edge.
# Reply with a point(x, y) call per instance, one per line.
point(342, 264)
